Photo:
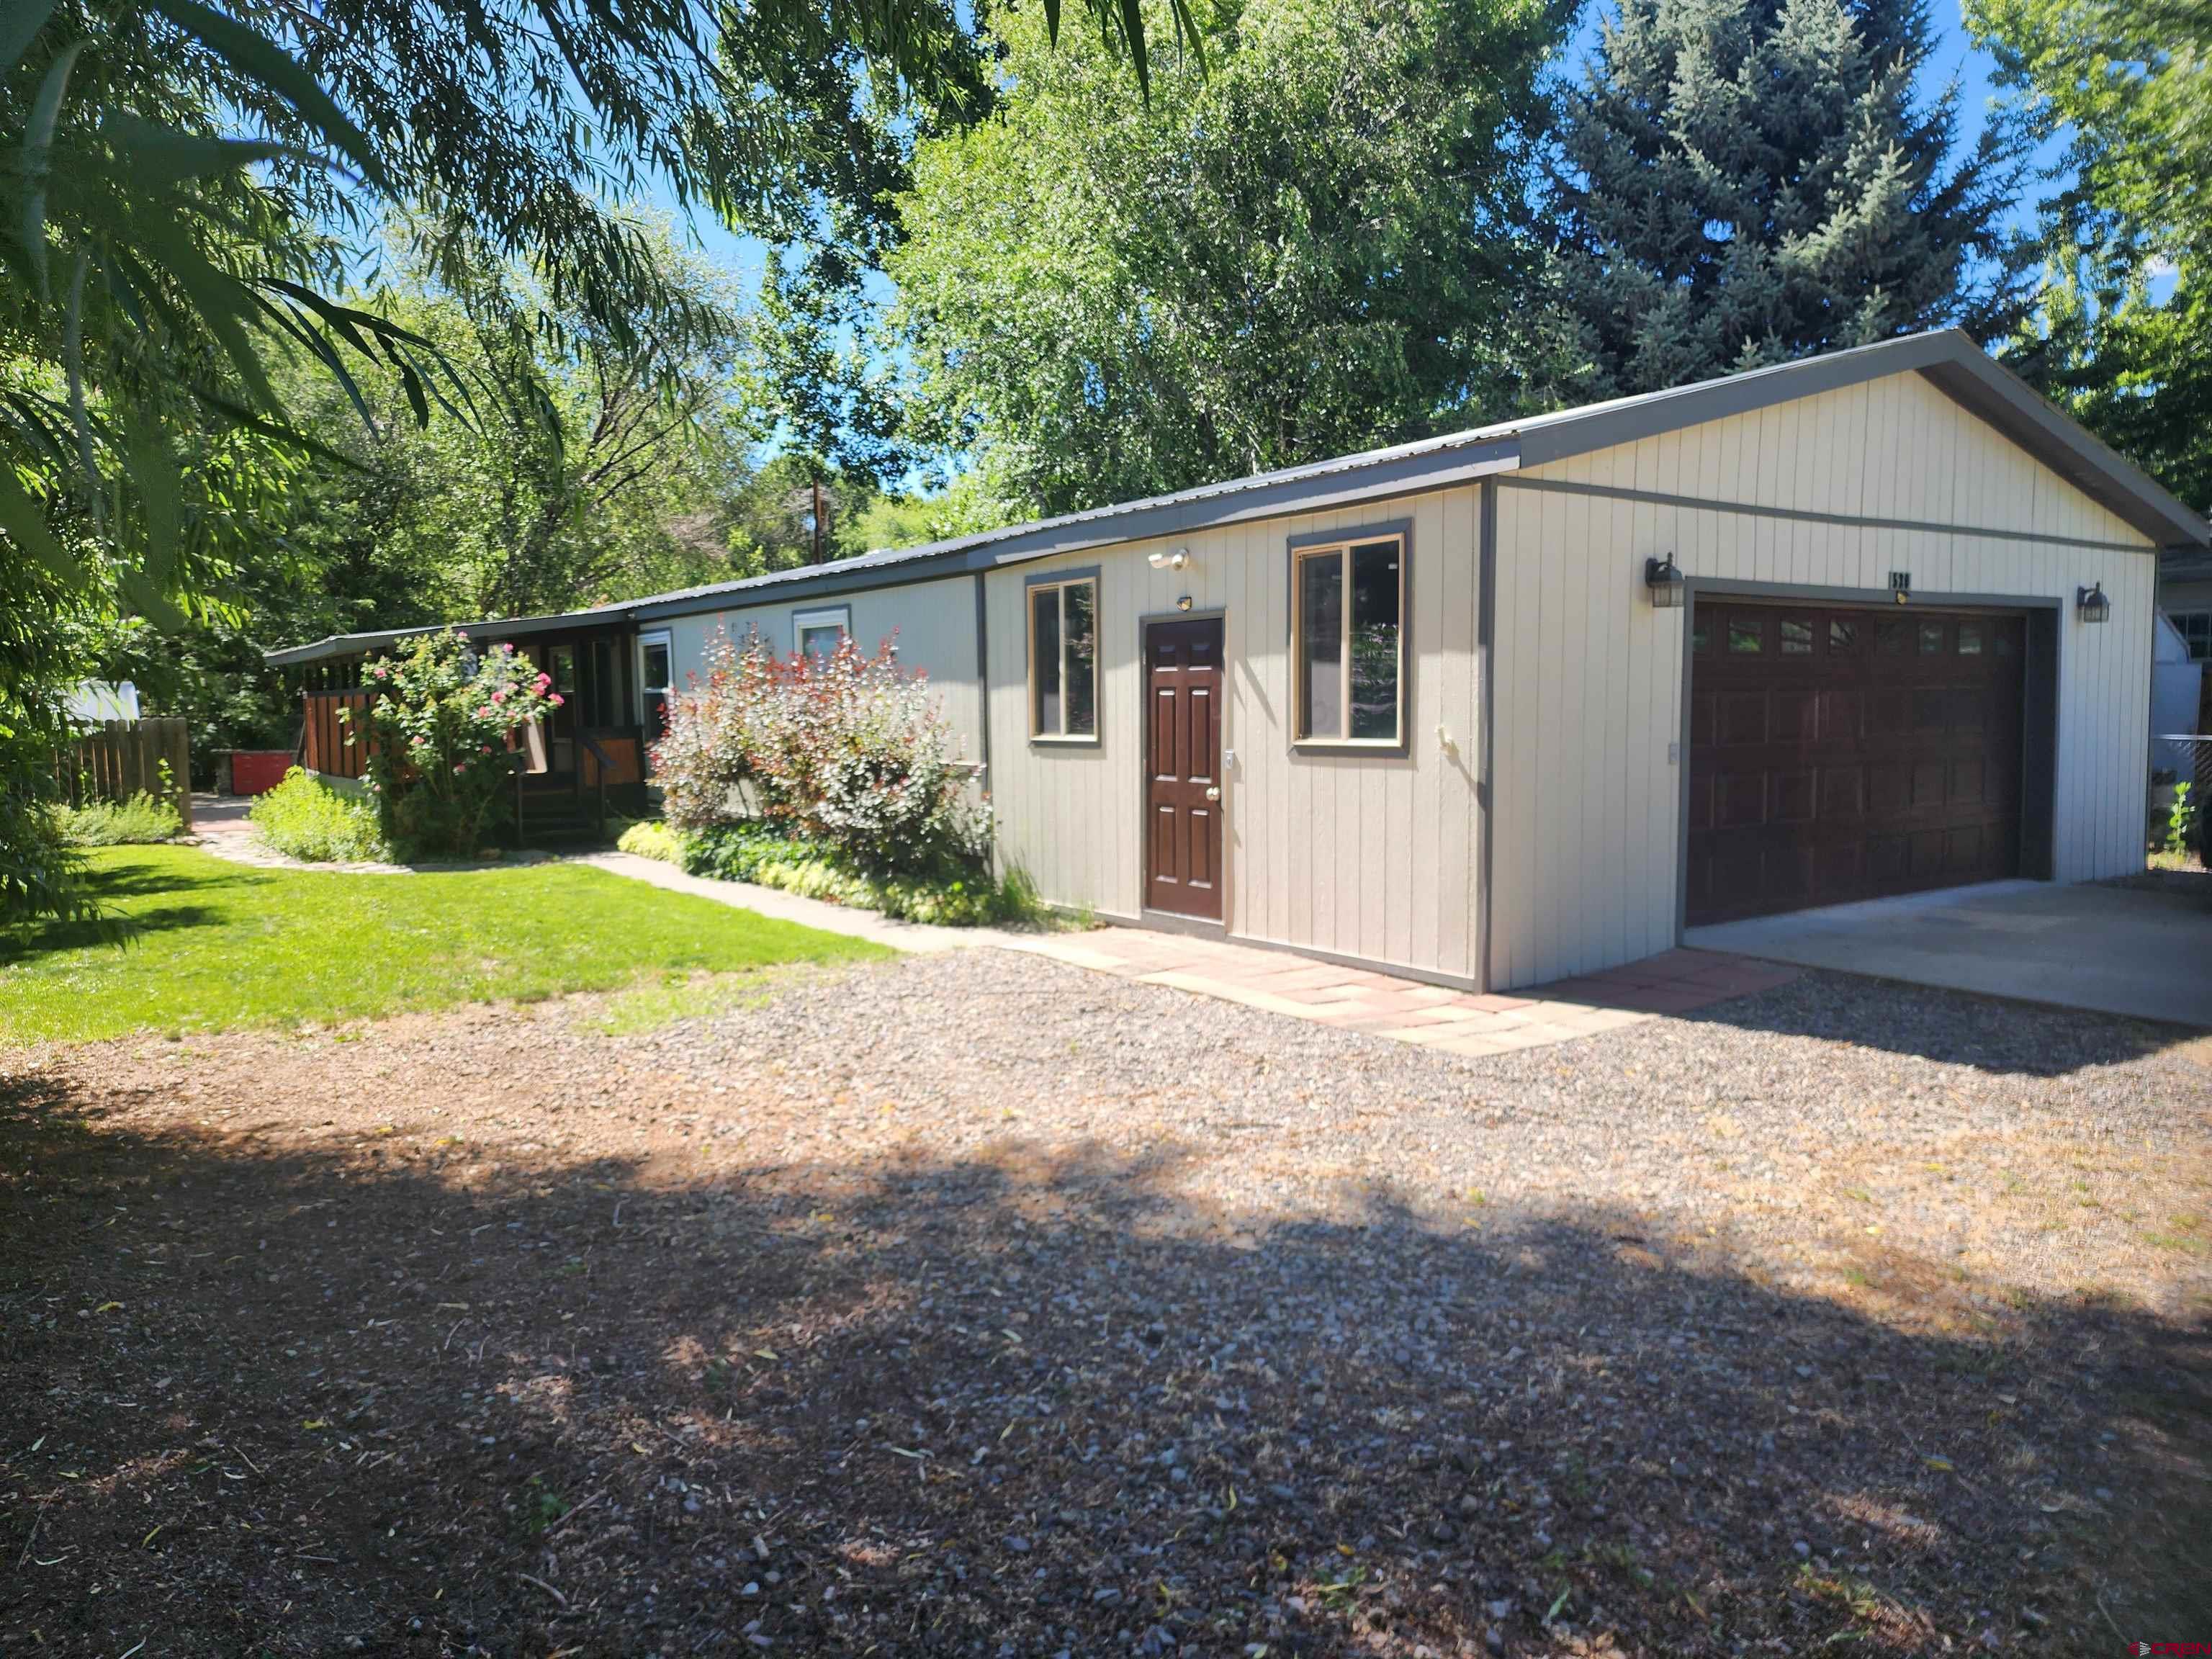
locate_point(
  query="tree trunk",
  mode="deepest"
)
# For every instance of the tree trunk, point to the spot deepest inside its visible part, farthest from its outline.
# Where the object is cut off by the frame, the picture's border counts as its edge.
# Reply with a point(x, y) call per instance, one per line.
point(817, 521)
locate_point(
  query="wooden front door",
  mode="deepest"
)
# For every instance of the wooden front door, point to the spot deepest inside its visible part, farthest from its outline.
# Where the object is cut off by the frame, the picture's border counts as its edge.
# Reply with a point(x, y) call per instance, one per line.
point(1840, 753)
point(1182, 768)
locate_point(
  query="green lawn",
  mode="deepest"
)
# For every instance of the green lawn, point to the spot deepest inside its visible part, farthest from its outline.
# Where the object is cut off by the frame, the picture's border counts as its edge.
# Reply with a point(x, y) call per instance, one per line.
point(218, 945)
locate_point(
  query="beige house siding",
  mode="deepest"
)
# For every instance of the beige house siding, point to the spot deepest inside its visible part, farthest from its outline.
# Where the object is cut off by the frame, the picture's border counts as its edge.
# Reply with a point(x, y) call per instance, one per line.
point(1588, 840)
point(934, 623)
point(1368, 856)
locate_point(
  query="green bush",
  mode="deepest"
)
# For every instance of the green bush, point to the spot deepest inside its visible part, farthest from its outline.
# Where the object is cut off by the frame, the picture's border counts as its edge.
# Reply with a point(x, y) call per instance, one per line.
point(2181, 822)
point(652, 839)
point(305, 818)
point(949, 898)
point(136, 822)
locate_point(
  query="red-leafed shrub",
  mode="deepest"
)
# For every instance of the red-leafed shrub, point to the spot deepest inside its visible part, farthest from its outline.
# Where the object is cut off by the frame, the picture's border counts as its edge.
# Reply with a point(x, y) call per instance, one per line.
point(845, 751)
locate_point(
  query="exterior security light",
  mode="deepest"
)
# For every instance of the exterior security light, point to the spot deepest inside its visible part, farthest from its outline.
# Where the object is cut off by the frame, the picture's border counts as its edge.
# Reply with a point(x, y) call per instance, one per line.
point(2092, 604)
point(1175, 561)
point(1663, 577)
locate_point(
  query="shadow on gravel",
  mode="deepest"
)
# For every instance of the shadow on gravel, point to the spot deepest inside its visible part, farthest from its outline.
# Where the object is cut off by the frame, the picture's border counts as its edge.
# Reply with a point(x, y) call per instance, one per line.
point(1951, 1027)
point(384, 1399)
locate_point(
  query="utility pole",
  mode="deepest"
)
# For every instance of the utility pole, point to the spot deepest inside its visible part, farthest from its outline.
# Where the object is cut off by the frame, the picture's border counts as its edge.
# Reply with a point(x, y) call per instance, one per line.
point(820, 508)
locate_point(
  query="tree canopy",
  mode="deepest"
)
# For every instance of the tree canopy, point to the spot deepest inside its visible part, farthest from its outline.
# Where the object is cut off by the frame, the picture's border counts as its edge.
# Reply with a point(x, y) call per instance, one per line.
point(1314, 244)
point(2126, 88)
point(1742, 184)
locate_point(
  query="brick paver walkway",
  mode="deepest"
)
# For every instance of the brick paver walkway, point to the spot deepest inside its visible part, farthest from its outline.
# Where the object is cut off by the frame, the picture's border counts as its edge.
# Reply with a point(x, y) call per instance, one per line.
point(1433, 1016)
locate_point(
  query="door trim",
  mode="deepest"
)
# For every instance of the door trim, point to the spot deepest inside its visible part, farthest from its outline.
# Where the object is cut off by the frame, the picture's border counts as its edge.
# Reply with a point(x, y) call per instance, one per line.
point(1146, 621)
point(2034, 812)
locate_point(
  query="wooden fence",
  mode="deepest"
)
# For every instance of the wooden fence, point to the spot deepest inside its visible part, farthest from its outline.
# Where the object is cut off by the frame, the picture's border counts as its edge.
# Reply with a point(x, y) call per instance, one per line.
point(124, 758)
point(323, 747)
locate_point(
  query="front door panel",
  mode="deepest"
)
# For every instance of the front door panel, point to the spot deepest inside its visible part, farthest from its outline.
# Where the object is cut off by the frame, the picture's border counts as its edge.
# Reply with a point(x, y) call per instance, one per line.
point(1183, 767)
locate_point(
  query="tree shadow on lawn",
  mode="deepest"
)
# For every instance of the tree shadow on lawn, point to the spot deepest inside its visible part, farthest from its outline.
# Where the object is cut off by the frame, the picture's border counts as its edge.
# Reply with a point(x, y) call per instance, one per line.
point(1028, 1403)
point(1959, 1028)
point(114, 885)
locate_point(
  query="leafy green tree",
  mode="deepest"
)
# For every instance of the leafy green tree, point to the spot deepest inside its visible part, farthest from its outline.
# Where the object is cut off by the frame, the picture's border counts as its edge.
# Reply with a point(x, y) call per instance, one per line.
point(163, 169)
point(971, 502)
point(1314, 245)
point(2127, 89)
point(1739, 184)
point(821, 380)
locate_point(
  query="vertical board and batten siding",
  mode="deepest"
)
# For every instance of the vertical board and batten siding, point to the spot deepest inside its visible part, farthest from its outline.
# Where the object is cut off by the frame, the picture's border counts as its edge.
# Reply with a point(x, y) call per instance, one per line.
point(934, 623)
point(1588, 836)
point(1356, 855)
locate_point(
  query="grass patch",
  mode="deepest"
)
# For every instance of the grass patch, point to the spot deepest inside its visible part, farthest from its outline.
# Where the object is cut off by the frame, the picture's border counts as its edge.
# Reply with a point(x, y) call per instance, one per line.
point(653, 1003)
point(305, 818)
point(216, 945)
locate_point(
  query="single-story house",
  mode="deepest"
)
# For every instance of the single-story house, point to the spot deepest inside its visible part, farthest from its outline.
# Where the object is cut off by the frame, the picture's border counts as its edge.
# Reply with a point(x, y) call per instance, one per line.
point(1525, 701)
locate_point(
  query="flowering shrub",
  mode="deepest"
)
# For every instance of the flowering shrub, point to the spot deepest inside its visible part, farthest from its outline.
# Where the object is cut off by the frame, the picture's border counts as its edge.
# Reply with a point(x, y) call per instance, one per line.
point(844, 752)
point(441, 730)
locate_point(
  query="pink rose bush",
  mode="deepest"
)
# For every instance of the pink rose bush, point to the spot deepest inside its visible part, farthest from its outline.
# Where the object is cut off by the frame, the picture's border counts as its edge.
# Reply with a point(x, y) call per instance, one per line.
point(440, 732)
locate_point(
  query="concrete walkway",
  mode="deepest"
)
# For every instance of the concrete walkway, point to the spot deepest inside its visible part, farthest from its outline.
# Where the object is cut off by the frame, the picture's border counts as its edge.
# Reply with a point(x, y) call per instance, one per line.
point(2114, 949)
point(1406, 1010)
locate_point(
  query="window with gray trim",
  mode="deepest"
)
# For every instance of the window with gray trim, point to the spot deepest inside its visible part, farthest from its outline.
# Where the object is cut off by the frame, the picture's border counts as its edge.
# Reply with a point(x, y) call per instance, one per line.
point(1348, 640)
point(2195, 627)
point(655, 678)
point(1064, 659)
point(817, 633)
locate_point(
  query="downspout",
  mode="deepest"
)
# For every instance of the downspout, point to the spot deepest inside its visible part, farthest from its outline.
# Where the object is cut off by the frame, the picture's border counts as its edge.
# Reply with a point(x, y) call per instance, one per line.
point(1486, 674)
point(983, 685)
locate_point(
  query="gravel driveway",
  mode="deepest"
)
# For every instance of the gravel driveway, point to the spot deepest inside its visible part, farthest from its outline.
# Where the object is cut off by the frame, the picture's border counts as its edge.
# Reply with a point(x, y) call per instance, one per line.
point(979, 1305)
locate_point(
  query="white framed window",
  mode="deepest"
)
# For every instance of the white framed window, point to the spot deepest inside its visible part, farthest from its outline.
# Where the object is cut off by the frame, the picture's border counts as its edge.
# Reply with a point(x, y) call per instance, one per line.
point(1063, 625)
point(656, 673)
point(2195, 627)
point(1348, 641)
point(817, 633)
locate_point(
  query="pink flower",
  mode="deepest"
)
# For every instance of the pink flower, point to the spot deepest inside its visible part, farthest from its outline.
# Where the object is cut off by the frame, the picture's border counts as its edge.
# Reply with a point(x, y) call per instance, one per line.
point(545, 680)
point(458, 768)
point(555, 699)
point(484, 749)
point(500, 696)
point(381, 672)
point(485, 713)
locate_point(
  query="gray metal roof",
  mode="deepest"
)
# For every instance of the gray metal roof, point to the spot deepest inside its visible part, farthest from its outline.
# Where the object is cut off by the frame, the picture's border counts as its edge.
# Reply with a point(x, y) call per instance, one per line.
point(1948, 358)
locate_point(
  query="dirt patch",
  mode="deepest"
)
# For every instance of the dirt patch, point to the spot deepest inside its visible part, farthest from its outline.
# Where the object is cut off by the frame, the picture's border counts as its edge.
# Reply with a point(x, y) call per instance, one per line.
point(979, 1305)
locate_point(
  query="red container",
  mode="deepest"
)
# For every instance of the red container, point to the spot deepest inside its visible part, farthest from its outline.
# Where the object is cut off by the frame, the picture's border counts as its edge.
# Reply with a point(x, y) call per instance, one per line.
point(257, 771)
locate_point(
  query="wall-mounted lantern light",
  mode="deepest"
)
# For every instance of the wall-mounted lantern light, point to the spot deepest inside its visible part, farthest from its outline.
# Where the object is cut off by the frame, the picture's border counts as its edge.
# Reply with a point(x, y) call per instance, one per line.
point(1175, 561)
point(1663, 577)
point(2091, 605)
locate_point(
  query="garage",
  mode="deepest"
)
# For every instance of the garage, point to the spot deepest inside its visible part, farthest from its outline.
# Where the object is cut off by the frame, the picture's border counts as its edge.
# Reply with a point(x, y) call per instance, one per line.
point(1850, 752)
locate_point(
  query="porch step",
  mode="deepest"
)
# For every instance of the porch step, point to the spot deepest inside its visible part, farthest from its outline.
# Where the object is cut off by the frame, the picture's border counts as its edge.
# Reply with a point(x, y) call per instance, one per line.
point(547, 825)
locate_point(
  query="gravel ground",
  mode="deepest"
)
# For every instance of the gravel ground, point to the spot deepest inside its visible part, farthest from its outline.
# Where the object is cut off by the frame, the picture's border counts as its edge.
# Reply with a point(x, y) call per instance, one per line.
point(979, 1305)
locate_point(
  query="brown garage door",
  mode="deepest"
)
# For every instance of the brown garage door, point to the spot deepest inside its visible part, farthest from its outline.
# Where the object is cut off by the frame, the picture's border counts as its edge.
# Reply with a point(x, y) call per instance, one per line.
point(1844, 754)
